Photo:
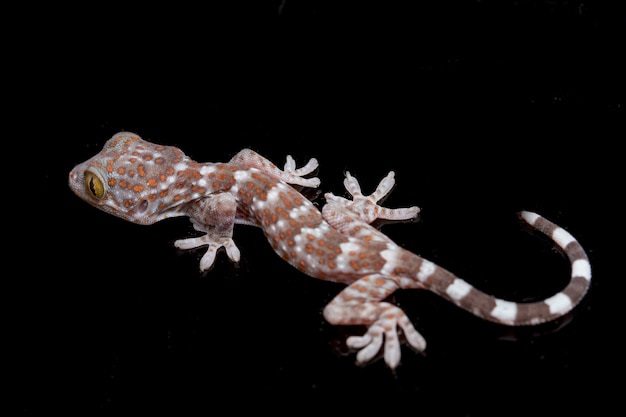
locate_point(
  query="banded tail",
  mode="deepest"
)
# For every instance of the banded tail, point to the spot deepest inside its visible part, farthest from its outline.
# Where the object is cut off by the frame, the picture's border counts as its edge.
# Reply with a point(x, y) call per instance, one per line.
point(511, 313)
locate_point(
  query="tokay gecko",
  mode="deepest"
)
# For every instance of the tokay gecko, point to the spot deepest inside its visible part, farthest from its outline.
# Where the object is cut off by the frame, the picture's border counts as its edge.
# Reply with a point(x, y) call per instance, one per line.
point(144, 183)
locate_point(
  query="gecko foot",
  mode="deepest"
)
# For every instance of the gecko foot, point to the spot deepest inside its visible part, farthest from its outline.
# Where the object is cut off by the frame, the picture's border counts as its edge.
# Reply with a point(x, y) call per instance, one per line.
point(290, 169)
point(366, 207)
point(386, 328)
point(214, 243)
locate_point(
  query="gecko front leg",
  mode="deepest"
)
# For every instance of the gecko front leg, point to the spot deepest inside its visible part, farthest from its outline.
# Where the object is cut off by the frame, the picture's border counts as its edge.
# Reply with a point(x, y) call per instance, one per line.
point(247, 158)
point(215, 215)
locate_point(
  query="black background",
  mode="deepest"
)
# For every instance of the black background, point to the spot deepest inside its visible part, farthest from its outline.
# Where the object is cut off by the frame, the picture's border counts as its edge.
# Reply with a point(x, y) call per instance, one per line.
point(482, 108)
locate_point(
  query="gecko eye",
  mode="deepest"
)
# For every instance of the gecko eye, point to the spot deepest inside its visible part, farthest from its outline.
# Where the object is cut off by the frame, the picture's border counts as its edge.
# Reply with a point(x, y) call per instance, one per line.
point(94, 185)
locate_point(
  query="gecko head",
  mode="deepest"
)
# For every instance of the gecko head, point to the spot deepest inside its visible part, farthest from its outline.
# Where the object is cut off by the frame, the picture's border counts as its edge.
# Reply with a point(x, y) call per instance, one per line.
point(117, 180)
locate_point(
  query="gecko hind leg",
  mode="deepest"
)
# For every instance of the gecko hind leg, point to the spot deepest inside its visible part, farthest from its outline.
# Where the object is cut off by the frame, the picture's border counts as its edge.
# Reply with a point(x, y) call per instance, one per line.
point(367, 207)
point(360, 304)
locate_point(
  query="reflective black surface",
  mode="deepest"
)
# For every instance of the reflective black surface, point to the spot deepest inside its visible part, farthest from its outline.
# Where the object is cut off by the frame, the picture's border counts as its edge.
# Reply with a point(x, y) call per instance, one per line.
point(482, 109)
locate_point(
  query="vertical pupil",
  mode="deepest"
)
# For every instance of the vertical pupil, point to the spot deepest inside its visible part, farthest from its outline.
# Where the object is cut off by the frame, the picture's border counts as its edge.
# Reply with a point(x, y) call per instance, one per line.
point(92, 187)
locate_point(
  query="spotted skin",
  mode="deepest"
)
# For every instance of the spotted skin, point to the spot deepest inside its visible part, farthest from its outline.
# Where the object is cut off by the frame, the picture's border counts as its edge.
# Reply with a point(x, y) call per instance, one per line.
point(145, 183)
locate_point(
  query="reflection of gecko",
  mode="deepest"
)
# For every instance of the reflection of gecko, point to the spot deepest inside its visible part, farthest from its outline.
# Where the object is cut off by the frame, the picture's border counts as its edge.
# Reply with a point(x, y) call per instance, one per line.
point(144, 183)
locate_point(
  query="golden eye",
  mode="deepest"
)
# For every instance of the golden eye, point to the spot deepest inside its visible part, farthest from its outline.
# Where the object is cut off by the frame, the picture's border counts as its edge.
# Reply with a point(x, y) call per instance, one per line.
point(94, 185)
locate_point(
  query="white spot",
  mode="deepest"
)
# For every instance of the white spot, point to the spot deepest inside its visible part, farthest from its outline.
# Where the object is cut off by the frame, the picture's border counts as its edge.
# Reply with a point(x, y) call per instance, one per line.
point(349, 246)
point(427, 268)
point(342, 262)
point(390, 257)
point(505, 311)
point(562, 237)
point(298, 211)
point(202, 182)
point(581, 268)
point(458, 289)
point(318, 232)
point(241, 175)
point(559, 303)
point(207, 169)
point(181, 166)
point(272, 195)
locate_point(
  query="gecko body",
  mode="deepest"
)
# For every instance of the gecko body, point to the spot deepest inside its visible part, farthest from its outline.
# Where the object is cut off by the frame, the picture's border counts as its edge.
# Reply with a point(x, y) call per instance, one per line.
point(145, 183)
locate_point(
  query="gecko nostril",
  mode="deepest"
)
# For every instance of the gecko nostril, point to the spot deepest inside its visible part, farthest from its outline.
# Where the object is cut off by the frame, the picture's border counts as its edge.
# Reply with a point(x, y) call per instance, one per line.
point(142, 207)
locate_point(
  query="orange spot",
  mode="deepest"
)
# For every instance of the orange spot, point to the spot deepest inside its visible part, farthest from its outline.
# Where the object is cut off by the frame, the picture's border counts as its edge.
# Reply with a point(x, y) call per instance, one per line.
point(111, 182)
point(379, 281)
point(177, 197)
point(152, 197)
point(163, 193)
point(138, 188)
point(121, 171)
point(152, 182)
point(142, 172)
point(355, 265)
